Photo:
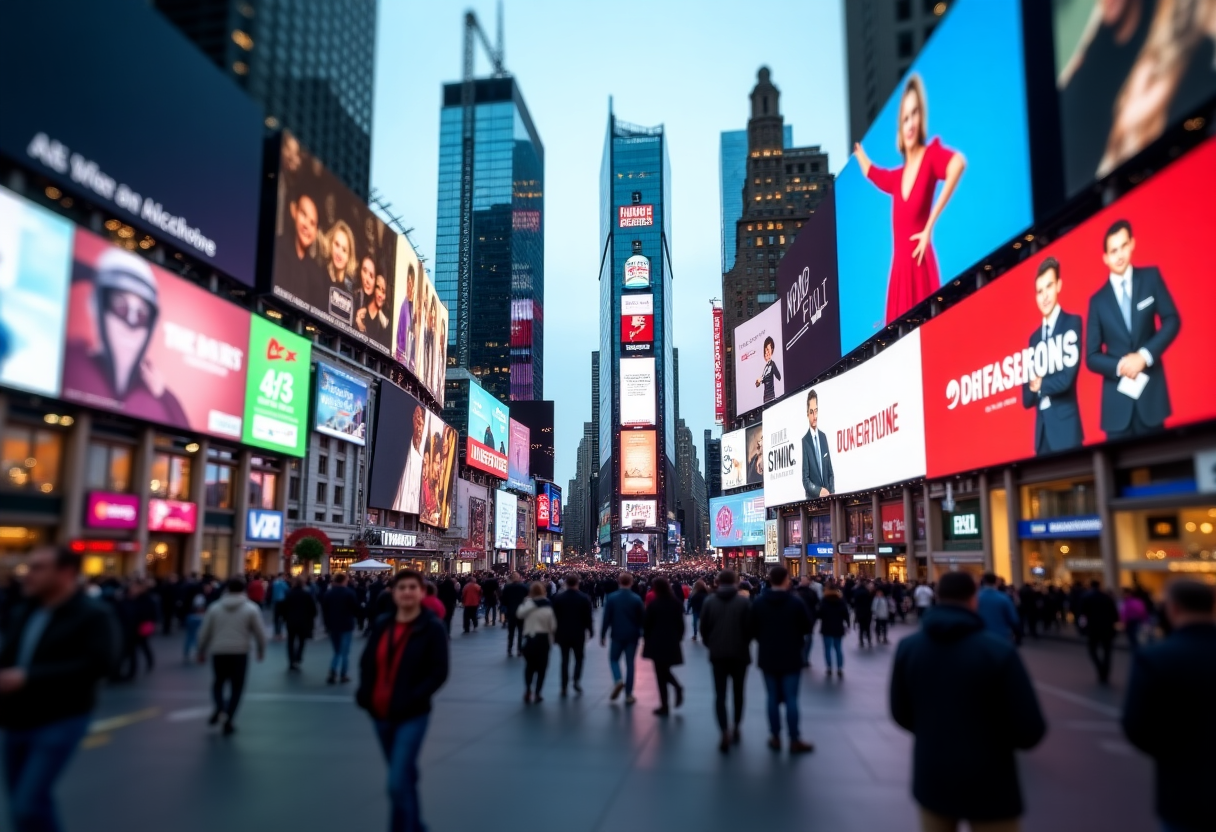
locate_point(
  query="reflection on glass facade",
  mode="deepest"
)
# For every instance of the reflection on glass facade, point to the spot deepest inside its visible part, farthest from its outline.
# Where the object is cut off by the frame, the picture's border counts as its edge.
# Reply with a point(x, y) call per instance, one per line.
point(732, 162)
point(505, 314)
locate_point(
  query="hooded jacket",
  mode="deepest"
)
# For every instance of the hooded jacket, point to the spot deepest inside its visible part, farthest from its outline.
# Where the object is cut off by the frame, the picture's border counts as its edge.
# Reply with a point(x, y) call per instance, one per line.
point(228, 626)
point(726, 625)
point(966, 697)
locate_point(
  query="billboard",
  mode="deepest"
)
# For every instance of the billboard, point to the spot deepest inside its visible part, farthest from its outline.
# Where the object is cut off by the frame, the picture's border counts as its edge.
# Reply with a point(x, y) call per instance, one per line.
point(519, 475)
point(107, 510)
point(263, 526)
point(633, 216)
point(477, 524)
point(737, 520)
point(35, 261)
point(174, 516)
point(419, 321)
point(942, 177)
point(759, 361)
point(538, 418)
point(553, 508)
point(637, 272)
point(637, 549)
point(639, 462)
point(413, 469)
point(808, 293)
point(152, 346)
point(754, 449)
point(637, 392)
point(862, 429)
point(719, 378)
point(1051, 364)
point(276, 388)
point(1126, 72)
point(341, 404)
point(505, 508)
point(645, 510)
point(734, 460)
point(637, 324)
point(893, 528)
point(488, 433)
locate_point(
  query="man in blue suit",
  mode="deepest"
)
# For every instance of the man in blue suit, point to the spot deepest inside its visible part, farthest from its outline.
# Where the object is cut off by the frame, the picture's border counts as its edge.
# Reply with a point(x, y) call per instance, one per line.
point(818, 478)
point(1053, 395)
point(1132, 321)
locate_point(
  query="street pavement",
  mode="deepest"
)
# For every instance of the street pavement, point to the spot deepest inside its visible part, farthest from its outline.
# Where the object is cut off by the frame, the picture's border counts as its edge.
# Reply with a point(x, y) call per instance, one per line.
point(304, 757)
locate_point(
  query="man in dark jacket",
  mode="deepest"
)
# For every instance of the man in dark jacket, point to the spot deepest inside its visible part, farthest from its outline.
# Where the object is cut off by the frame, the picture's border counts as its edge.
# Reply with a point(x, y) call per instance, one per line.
point(300, 615)
point(968, 700)
point(726, 629)
point(489, 598)
point(574, 627)
point(623, 615)
point(58, 646)
point(1180, 741)
point(809, 597)
point(781, 623)
point(339, 611)
point(448, 593)
point(403, 665)
point(1098, 615)
point(513, 594)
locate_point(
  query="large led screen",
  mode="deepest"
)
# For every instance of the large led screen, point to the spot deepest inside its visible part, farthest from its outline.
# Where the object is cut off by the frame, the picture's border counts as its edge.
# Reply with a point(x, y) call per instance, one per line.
point(341, 404)
point(637, 392)
point(644, 511)
point(489, 421)
point(759, 361)
point(519, 475)
point(1059, 355)
point(859, 430)
point(734, 460)
point(505, 507)
point(153, 346)
point(808, 293)
point(637, 324)
point(414, 459)
point(1126, 72)
point(35, 261)
point(420, 322)
point(942, 177)
point(276, 389)
point(737, 520)
point(639, 462)
point(553, 502)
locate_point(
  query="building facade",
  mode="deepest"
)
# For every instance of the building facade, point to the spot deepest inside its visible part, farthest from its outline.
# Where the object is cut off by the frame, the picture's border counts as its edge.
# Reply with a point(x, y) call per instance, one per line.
point(732, 173)
point(713, 464)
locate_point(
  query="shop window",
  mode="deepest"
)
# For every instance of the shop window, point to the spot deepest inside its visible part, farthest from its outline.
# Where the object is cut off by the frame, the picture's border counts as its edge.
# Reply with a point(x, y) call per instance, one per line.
point(219, 485)
point(819, 528)
point(31, 458)
point(860, 525)
point(109, 467)
point(263, 489)
point(216, 551)
point(170, 477)
point(1059, 499)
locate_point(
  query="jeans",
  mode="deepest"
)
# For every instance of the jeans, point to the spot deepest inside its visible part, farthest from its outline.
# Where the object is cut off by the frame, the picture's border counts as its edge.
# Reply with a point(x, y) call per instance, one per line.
point(696, 623)
point(863, 631)
point(295, 646)
point(736, 674)
point(536, 661)
point(491, 613)
point(401, 742)
point(228, 668)
point(783, 689)
point(194, 623)
point(1099, 652)
point(830, 644)
point(808, 641)
point(880, 629)
point(629, 649)
point(33, 760)
point(340, 663)
point(577, 650)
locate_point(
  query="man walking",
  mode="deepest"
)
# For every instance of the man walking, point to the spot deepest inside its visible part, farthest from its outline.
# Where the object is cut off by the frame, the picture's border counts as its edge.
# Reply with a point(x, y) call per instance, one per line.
point(574, 627)
point(59, 644)
point(339, 611)
point(489, 599)
point(997, 609)
point(966, 697)
point(470, 597)
point(726, 629)
point(513, 594)
point(228, 626)
point(808, 595)
point(1098, 615)
point(623, 616)
point(782, 623)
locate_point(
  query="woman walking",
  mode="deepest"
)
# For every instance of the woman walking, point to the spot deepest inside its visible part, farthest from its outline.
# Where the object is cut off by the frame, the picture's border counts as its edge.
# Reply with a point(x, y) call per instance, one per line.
point(699, 593)
point(539, 628)
point(833, 621)
point(882, 609)
point(663, 629)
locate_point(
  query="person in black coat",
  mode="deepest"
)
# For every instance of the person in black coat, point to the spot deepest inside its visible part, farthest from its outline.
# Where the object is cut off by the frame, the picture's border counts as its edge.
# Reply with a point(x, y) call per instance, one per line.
point(1098, 614)
point(340, 612)
point(574, 627)
point(448, 593)
point(809, 597)
point(863, 614)
point(965, 695)
point(300, 615)
point(513, 594)
point(833, 621)
point(781, 623)
point(489, 598)
point(663, 629)
point(1180, 741)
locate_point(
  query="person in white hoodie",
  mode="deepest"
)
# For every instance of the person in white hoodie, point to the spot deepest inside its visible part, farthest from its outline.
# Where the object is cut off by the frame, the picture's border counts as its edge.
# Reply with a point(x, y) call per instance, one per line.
point(883, 609)
point(228, 627)
point(539, 630)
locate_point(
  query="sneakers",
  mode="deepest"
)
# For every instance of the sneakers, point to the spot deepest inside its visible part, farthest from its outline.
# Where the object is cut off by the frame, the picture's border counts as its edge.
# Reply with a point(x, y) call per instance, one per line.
point(616, 690)
point(229, 728)
point(578, 688)
point(629, 700)
point(344, 680)
point(840, 673)
point(331, 679)
point(800, 747)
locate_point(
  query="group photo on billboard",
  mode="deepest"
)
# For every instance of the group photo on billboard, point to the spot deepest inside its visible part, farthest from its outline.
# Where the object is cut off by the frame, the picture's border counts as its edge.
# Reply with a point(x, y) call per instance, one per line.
point(808, 293)
point(413, 470)
point(488, 434)
point(341, 404)
point(420, 334)
point(759, 360)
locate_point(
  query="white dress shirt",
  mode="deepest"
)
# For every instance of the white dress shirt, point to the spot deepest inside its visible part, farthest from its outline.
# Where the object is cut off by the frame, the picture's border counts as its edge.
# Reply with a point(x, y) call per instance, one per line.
point(1049, 329)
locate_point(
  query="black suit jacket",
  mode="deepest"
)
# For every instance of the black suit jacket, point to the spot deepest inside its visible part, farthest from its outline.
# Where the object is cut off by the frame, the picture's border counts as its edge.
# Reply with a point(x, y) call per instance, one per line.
point(817, 473)
point(1058, 428)
point(1107, 340)
point(573, 611)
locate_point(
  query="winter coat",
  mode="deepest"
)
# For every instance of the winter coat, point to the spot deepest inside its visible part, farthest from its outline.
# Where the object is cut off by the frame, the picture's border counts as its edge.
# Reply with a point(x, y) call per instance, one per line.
point(697, 601)
point(781, 621)
point(811, 598)
point(230, 624)
point(663, 627)
point(1100, 614)
point(726, 626)
point(537, 618)
point(573, 611)
point(999, 614)
point(513, 595)
point(422, 671)
point(881, 608)
point(833, 615)
point(339, 608)
point(299, 611)
point(623, 612)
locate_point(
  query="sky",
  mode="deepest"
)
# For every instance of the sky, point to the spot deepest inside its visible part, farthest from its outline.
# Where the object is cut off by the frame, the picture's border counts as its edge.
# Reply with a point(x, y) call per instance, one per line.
point(688, 66)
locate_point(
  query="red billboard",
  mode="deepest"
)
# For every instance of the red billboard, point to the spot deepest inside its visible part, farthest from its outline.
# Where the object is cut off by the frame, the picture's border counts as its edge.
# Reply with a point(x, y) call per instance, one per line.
point(1106, 334)
point(632, 216)
point(637, 330)
point(719, 379)
point(893, 530)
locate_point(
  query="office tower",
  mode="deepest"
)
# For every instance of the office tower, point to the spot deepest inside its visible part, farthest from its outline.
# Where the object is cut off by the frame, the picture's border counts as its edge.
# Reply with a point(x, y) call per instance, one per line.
point(595, 418)
point(732, 173)
point(713, 464)
point(538, 416)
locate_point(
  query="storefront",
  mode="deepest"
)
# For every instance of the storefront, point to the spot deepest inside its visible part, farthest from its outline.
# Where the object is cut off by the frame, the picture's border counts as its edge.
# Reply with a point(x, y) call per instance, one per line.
point(891, 561)
point(405, 550)
point(962, 541)
point(264, 541)
point(1062, 550)
point(858, 560)
point(31, 480)
point(820, 559)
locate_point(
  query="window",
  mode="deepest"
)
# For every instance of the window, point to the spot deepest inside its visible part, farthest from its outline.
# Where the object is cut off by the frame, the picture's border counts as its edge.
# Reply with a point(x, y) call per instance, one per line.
point(109, 467)
point(218, 485)
point(263, 492)
point(323, 443)
point(339, 495)
point(319, 516)
point(293, 514)
point(340, 469)
point(170, 477)
point(819, 528)
point(903, 9)
point(293, 489)
point(904, 44)
point(31, 458)
point(322, 493)
point(861, 525)
point(323, 465)
point(337, 518)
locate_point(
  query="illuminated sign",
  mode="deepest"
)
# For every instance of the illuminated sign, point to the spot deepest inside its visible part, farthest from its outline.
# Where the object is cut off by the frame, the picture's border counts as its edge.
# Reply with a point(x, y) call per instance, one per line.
point(637, 272)
point(633, 216)
point(719, 379)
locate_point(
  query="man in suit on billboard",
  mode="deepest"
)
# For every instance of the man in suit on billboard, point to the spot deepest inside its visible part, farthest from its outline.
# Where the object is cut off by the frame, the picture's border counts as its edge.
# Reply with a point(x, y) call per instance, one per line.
point(818, 479)
point(1057, 421)
point(1132, 320)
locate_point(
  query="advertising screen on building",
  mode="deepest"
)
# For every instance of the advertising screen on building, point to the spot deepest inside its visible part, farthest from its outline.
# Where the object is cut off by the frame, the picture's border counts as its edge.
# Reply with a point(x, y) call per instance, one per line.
point(809, 296)
point(719, 373)
point(637, 324)
point(1051, 363)
point(35, 261)
point(950, 144)
point(414, 459)
point(105, 510)
point(419, 320)
point(341, 404)
point(637, 549)
point(152, 346)
point(759, 361)
point(1126, 72)
point(637, 392)
point(633, 511)
point(175, 516)
point(859, 430)
point(553, 495)
point(505, 507)
point(276, 388)
point(519, 475)
point(893, 529)
point(737, 520)
point(637, 272)
point(734, 460)
point(633, 216)
point(639, 463)
point(489, 432)
point(754, 450)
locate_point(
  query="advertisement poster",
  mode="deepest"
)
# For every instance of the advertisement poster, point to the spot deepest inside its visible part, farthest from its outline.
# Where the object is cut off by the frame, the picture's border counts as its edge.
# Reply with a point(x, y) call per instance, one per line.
point(1051, 364)
point(504, 520)
point(734, 460)
point(646, 511)
point(521, 528)
point(542, 509)
point(637, 324)
point(553, 494)
point(488, 433)
point(637, 392)
point(414, 459)
point(477, 524)
point(1115, 97)
point(637, 272)
point(35, 261)
point(893, 529)
point(105, 510)
point(341, 404)
point(957, 124)
point(759, 361)
point(719, 378)
point(737, 520)
point(754, 444)
point(638, 462)
point(637, 549)
point(276, 388)
point(519, 476)
point(809, 292)
point(420, 322)
point(174, 516)
point(634, 216)
point(772, 554)
point(152, 346)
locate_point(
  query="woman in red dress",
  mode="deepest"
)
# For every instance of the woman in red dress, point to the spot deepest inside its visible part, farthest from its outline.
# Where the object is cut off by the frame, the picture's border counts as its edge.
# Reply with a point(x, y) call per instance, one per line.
point(914, 272)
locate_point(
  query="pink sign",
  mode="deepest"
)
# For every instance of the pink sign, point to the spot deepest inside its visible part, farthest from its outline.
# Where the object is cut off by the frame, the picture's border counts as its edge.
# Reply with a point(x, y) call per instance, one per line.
point(172, 516)
point(111, 511)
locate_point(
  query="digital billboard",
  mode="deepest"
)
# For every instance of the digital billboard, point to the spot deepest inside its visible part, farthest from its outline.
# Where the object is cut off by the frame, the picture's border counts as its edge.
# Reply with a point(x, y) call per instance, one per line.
point(341, 410)
point(808, 293)
point(1061, 355)
point(942, 177)
point(633, 216)
point(637, 272)
point(719, 375)
point(488, 433)
point(637, 549)
point(639, 462)
point(553, 503)
point(505, 507)
point(646, 511)
point(759, 361)
point(637, 324)
point(734, 460)
point(413, 469)
point(754, 450)
point(420, 322)
point(276, 388)
point(637, 392)
point(537, 416)
point(737, 520)
point(152, 346)
point(35, 261)
point(519, 475)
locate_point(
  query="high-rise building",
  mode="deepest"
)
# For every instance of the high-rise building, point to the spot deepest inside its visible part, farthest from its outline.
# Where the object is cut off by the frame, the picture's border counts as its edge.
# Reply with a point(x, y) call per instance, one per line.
point(691, 503)
point(595, 416)
point(309, 63)
point(494, 290)
point(713, 464)
point(538, 416)
point(637, 386)
point(781, 190)
point(579, 534)
point(732, 172)
point(882, 38)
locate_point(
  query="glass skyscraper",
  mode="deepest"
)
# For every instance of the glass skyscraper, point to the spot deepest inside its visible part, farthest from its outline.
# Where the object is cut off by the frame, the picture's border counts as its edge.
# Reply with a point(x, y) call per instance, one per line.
point(498, 334)
point(732, 162)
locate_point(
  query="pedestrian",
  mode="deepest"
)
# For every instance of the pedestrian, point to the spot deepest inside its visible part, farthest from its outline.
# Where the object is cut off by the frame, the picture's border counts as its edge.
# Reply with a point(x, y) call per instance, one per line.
point(623, 617)
point(137, 613)
point(403, 665)
point(695, 602)
point(574, 627)
point(833, 622)
point(448, 593)
point(1097, 617)
point(996, 609)
point(663, 630)
point(430, 600)
point(278, 594)
point(1134, 614)
point(863, 615)
point(513, 594)
point(965, 696)
point(726, 628)
point(806, 592)
point(193, 623)
point(1179, 739)
point(489, 598)
point(781, 623)
point(539, 626)
point(300, 616)
point(470, 597)
point(339, 612)
point(922, 596)
point(58, 645)
point(228, 627)
point(883, 610)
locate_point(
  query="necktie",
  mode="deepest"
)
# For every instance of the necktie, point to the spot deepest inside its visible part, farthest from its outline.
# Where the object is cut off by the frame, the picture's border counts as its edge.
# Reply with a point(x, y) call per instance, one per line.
point(1125, 303)
point(815, 440)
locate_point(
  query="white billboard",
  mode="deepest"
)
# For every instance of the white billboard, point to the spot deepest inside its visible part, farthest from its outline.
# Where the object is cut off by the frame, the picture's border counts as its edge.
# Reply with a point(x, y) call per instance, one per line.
point(637, 392)
point(639, 510)
point(637, 305)
point(734, 459)
point(759, 361)
point(505, 507)
point(637, 272)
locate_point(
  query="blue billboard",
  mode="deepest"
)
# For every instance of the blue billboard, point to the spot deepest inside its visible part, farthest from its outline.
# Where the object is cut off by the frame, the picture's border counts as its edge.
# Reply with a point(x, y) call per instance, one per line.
point(737, 520)
point(341, 404)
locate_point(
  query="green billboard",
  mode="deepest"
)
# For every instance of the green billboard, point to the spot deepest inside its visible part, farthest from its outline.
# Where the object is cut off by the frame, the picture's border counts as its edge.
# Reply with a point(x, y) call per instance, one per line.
point(276, 389)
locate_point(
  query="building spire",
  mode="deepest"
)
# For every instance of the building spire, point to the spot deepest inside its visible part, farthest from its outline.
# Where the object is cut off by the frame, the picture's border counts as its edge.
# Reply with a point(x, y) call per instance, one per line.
point(765, 96)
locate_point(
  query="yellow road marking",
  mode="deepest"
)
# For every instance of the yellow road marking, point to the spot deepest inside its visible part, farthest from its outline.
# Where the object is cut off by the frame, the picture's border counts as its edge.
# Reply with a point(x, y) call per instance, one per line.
point(102, 726)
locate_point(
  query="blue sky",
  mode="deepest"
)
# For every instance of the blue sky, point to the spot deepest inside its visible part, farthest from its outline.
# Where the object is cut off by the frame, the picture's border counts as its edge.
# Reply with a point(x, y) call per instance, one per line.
point(689, 66)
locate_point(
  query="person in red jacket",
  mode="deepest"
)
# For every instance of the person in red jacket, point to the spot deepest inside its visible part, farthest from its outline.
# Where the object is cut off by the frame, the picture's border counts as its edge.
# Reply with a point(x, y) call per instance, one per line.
point(470, 596)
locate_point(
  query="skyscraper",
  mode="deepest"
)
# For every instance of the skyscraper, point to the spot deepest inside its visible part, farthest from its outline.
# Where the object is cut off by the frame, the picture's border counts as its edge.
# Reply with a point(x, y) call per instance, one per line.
point(497, 308)
point(309, 63)
point(732, 173)
point(713, 465)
